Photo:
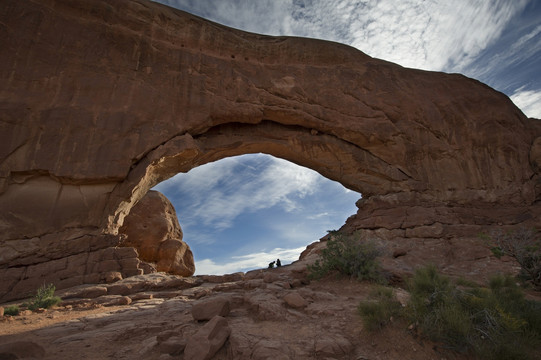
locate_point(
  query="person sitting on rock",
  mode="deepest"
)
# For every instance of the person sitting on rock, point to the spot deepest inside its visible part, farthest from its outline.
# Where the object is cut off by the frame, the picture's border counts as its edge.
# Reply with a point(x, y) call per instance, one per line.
point(278, 263)
point(271, 265)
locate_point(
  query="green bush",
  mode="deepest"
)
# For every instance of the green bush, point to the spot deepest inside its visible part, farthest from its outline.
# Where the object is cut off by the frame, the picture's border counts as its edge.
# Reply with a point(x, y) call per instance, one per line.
point(525, 246)
point(12, 310)
point(351, 256)
point(497, 322)
point(494, 323)
point(435, 307)
point(380, 309)
point(44, 298)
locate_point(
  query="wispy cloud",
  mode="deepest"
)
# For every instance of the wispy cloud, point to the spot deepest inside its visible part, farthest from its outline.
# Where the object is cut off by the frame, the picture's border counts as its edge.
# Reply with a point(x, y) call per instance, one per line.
point(247, 262)
point(215, 194)
point(433, 35)
point(529, 102)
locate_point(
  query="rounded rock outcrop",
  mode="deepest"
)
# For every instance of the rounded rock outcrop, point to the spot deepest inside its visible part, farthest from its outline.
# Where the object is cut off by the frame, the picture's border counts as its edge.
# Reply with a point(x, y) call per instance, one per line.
point(153, 229)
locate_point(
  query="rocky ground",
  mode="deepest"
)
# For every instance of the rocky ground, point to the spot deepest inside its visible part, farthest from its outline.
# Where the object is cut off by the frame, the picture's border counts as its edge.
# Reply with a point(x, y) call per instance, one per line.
point(263, 314)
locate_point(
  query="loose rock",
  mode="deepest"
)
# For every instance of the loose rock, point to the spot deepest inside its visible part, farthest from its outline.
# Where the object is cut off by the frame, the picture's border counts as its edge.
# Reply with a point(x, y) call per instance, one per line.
point(295, 300)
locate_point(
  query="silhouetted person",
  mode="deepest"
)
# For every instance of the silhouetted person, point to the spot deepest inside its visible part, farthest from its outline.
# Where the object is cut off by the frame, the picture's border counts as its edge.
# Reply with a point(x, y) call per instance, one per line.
point(271, 265)
point(278, 263)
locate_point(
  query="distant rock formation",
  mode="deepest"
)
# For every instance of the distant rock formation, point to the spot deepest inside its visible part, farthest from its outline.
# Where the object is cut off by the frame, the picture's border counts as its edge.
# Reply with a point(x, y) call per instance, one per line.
point(152, 228)
point(100, 100)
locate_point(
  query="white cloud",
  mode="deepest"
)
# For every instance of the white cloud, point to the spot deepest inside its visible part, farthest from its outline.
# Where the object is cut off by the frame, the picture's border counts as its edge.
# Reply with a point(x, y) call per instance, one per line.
point(529, 102)
point(215, 194)
point(247, 262)
point(432, 35)
point(200, 178)
point(270, 17)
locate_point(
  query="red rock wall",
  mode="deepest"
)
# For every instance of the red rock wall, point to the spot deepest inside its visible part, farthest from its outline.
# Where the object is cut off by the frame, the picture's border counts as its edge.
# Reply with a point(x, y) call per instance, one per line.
point(102, 99)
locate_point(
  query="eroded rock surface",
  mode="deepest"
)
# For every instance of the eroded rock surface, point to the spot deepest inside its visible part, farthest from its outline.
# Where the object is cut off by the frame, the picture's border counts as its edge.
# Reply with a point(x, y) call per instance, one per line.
point(134, 92)
point(152, 228)
point(154, 320)
point(268, 313)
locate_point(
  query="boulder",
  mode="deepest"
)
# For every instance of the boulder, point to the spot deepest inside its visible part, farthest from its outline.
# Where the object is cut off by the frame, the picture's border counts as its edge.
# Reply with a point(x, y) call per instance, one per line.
point(152, 228)
point(207, 340)
point(92, 292)
point(333, 347)
point(295, 300)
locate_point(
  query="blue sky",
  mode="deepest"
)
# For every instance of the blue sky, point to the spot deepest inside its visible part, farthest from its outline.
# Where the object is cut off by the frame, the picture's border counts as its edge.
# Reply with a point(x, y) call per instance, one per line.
point(241, 213)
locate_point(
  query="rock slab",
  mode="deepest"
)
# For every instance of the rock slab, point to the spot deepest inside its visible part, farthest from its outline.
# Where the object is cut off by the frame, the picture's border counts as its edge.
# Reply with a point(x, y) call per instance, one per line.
point(207, 340)
point(206, 310)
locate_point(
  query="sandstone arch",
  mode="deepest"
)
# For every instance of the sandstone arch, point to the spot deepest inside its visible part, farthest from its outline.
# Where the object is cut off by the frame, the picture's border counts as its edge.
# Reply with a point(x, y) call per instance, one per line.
point(102, 99)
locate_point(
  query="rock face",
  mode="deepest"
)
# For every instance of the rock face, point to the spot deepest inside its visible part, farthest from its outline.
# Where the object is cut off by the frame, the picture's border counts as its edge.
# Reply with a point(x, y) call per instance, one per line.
point(152, 228)
point(133, 92)
point(86, 260)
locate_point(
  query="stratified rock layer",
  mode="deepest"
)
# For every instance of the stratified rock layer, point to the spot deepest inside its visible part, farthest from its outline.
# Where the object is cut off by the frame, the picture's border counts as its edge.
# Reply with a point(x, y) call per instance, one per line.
point(152, 228)
point(100, 100)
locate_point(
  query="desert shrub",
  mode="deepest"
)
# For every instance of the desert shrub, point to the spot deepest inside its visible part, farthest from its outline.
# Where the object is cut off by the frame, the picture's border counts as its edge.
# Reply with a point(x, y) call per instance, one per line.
point(351, 256)
point(494, 323)
point(436, 309)
point(379, 309)
point(44, 298)
point(12, 310)
point(525, 246)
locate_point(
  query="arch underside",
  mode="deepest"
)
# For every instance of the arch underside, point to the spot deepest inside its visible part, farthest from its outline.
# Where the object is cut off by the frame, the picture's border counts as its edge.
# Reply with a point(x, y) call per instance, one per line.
point(334, 158)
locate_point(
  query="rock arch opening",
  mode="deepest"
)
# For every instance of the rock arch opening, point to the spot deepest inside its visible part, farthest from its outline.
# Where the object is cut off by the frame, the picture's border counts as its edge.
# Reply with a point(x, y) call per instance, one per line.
point(330, 155)
point(239, 213)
